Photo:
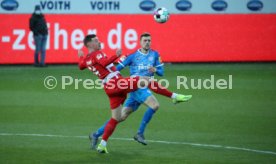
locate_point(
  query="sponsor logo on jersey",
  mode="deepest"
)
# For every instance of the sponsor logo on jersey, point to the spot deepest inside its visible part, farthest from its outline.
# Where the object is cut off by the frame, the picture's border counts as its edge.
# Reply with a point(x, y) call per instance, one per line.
point(89, 62)
point(99, 56)
point(144, 67)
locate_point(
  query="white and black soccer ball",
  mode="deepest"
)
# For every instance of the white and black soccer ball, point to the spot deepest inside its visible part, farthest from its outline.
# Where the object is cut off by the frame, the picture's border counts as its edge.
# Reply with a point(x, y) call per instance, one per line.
point(161, 15)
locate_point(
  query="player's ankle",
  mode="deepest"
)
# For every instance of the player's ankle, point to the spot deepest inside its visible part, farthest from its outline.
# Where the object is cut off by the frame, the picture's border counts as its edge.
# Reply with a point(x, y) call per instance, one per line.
point(103, 143)
point(173, 95)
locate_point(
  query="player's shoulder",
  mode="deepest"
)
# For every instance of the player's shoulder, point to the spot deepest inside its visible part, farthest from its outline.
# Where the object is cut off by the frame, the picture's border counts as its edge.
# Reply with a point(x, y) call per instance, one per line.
point(131, 55)
point(99, 52)
point(156, 53)
point(98, 55)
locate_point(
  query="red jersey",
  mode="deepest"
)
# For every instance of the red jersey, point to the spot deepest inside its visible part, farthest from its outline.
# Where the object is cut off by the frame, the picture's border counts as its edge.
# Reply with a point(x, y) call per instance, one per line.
point(98, 63)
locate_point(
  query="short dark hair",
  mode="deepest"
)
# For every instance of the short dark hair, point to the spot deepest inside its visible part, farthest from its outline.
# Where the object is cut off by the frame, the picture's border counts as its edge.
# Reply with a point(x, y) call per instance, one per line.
point(145, 34)
point(37, 7)
point(88, 38)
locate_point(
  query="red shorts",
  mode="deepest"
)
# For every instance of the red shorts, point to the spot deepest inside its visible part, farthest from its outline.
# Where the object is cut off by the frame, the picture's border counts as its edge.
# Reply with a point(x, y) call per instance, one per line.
point(117, 89)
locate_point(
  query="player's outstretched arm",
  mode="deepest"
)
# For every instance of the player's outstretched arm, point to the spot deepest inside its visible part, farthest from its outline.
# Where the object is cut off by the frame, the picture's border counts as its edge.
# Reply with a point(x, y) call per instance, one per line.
point(124, 61)
point(106, 61)
point(82, 64)
point(119, 52)
point(160, 70)
point(159, 65)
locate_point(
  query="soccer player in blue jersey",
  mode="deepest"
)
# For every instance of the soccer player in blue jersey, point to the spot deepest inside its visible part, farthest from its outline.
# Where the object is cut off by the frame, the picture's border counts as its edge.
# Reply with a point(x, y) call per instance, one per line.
point(143, 62)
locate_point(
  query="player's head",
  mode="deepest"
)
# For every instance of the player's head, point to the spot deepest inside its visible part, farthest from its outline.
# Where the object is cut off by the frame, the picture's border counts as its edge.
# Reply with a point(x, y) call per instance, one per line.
point(145, 41)
point(91, 41)
point(37, 10)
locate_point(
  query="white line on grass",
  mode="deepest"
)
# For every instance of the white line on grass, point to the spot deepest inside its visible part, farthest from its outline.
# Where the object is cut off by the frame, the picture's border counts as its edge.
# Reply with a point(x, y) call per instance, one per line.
point(153, 141)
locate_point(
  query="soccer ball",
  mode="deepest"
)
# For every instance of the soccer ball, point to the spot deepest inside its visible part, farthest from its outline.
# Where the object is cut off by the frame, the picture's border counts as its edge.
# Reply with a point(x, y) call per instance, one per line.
point(161, 15)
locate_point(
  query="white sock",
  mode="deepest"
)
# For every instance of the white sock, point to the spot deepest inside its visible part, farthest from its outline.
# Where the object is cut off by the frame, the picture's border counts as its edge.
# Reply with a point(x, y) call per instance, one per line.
point(103, 143)
point(173, 95)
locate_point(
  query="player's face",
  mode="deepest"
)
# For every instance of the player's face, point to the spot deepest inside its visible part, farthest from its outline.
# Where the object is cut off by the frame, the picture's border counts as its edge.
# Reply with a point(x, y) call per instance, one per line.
point(145, 42)
point(95, 44)
point(100, 47)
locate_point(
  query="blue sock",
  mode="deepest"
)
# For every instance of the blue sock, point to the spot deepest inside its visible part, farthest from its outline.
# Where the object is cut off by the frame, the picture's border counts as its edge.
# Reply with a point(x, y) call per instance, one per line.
point(100, 131)
point(146, 119)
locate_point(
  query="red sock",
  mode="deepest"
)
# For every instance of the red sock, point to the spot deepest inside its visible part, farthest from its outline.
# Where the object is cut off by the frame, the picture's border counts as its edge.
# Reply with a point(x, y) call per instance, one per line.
point(155, 87)
point(109, 128)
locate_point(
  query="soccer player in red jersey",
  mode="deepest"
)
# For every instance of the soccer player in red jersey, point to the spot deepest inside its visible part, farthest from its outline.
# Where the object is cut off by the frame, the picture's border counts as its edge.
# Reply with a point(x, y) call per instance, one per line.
point(115, 86)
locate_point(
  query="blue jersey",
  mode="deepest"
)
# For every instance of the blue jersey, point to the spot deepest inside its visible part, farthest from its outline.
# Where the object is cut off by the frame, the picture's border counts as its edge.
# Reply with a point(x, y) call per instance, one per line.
point(139, 63)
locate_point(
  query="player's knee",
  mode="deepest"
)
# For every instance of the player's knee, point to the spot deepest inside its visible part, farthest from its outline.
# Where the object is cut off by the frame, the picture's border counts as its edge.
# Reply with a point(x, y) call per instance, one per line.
point(155, 106)
point(117, 118)
point(144, 81)
point(123, 118)
point(125, 115)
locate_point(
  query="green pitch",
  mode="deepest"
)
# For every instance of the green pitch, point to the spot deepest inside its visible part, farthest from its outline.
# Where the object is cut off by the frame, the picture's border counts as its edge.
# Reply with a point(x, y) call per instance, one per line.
point(217, 126)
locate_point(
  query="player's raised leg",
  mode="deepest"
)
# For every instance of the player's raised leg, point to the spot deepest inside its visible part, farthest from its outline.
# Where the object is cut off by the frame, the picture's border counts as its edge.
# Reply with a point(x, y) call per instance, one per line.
point(159, 89)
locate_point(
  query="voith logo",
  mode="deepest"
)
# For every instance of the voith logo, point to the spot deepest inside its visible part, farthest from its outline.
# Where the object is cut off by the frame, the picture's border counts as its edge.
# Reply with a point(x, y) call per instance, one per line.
point(9, 5)
point(55, 5)
point(183, 5)
point(105, 5)
point(147, 5)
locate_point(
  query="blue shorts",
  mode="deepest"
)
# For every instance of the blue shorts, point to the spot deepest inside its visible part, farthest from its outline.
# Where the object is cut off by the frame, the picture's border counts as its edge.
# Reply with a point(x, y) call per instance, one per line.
point(136, 98)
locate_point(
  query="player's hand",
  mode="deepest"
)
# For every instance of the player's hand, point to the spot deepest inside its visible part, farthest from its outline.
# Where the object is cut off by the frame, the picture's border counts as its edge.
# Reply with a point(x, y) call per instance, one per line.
point(152, 69)
point(80, 53)
point(119, 52)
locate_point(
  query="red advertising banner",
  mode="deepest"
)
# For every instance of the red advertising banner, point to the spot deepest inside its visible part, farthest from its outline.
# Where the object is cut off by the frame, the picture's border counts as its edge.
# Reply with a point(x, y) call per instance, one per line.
point(184, 38)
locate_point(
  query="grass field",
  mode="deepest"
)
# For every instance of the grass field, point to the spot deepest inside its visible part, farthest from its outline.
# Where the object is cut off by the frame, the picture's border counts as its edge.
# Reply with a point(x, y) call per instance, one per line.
point(216, 126)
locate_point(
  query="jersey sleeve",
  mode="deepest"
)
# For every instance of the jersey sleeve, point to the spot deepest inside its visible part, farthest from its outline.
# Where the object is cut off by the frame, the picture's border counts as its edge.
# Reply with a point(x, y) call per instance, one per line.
point(103, 60)
point(159, 65)
point(124, 61)
point(82, 63)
